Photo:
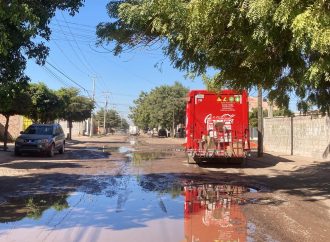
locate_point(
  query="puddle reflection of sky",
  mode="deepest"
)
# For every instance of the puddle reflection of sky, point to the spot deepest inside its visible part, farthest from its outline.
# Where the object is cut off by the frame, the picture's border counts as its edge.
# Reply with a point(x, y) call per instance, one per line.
point(126, 208)
point(130, 208)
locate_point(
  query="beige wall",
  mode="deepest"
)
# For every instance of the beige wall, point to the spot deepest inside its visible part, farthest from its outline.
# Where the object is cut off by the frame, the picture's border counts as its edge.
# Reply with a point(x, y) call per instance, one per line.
point(311, 136)
point(77, 128)
point(15, 125)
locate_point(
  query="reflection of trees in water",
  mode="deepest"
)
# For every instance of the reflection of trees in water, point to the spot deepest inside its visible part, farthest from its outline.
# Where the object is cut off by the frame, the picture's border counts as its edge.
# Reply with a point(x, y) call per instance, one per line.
point(161, 184)
point(138, 157)
point(32, 207)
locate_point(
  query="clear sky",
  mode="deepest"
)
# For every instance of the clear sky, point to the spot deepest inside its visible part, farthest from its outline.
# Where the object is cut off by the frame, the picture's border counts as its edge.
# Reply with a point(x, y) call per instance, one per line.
point(73, 52)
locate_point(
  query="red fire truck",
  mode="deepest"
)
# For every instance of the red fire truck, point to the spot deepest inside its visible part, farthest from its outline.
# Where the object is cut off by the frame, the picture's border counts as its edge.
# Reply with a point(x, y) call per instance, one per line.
point(217, 126)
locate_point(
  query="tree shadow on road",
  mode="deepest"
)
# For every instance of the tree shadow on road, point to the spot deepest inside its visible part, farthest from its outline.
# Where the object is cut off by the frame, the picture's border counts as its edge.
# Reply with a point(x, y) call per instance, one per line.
point(326, 152)
point(250, 162)
point(40, 165)
point(307, 182)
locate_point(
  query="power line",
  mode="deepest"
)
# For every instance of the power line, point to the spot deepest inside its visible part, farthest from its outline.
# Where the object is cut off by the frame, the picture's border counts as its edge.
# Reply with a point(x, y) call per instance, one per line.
point(79, 24)
point(78, 28)
point(78, 68)
point(82, 53)
point(73, 49)
point(57, 78)
point(68, 33)
point(65, 75)
point(121, 67)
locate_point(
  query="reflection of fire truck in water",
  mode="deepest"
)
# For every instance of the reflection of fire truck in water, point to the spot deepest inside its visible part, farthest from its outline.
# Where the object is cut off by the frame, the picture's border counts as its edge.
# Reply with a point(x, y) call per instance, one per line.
point(212, 213)
point(217, 125)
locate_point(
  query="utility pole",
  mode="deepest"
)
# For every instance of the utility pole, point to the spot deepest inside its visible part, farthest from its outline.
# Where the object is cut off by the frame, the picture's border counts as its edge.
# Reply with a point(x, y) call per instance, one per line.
point(173, 126)
point(91, 125)
point(105, 114)
point(260, 122)
point(105, 111)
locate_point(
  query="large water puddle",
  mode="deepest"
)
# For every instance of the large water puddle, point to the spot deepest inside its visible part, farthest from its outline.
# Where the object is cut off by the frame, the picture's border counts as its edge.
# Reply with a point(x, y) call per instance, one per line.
point(130, 208)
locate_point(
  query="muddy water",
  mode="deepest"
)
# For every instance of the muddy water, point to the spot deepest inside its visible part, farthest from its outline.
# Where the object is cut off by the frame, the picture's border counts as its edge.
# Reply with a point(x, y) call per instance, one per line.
point(131, 208)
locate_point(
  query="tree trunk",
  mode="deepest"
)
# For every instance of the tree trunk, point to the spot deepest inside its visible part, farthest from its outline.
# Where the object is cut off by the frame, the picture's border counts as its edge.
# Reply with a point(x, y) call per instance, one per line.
point(70, 130)
point(260, 123)
point(5, 135)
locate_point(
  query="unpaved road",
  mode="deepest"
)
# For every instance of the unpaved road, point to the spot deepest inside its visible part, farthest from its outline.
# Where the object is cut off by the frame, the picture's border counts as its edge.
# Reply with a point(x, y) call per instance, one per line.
point(119, 188)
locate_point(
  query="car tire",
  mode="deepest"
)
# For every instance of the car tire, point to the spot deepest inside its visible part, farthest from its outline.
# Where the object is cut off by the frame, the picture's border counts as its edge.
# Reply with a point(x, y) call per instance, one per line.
point(62, 149)
point(51, 151)
point(17, 152)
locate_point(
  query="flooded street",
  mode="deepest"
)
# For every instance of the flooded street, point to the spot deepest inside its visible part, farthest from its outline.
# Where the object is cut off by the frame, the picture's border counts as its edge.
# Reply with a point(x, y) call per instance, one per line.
point(125, 189)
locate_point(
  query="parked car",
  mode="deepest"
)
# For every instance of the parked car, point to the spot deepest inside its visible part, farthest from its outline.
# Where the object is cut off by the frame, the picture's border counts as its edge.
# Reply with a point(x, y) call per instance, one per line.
point(41, 138)
point(162, 133)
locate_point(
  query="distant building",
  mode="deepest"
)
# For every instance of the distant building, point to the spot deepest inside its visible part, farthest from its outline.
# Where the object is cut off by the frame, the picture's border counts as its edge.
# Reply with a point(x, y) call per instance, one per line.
point(253, 103)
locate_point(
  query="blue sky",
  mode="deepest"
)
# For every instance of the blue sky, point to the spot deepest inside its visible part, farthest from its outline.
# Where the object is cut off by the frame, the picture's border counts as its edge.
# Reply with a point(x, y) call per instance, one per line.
point(73, 52)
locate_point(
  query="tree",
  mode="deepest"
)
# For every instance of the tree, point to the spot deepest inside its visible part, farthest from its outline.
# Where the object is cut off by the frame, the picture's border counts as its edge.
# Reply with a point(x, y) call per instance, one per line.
point(253, 116)
point(124, 124)
point(13, 100)
point(282, 112)
point(25, 26)
point(112, 118)
point(284, 46)
point(75, 108)
point(46, 106)
point(163, 106)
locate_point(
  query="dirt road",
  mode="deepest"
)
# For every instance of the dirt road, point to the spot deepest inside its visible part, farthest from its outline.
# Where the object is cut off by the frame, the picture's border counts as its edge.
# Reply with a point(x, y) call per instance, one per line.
point(119, 188)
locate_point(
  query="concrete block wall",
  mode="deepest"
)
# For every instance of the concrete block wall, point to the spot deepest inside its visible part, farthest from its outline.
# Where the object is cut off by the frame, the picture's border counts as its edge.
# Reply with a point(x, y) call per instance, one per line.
point(277, 135)
point(310, 136)
point(78, 128)
point(15, 126)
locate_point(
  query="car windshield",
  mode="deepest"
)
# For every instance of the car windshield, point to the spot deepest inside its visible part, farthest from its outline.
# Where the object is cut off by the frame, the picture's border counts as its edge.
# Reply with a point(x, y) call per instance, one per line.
point(43, 130)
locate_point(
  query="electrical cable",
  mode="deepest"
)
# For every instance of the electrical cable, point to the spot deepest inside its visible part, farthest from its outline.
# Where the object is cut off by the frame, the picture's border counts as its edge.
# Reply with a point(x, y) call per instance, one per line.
point(81, 52)
point(65, 75)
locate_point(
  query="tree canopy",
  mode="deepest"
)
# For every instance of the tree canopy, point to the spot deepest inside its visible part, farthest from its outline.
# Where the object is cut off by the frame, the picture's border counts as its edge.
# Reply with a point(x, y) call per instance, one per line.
point(112, 120)
point(160, 107)
point(13, 100)
point(22, 21)
point(46, 105)
point(73, 107)
point(282, 45)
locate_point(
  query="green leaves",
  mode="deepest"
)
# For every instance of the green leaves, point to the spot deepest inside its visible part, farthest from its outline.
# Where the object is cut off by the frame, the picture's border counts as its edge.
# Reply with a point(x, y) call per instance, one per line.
point(160, 107)
point(74, 107)
point(45, 104)
point(112, 120)
point(283, 45)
